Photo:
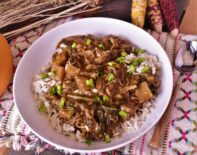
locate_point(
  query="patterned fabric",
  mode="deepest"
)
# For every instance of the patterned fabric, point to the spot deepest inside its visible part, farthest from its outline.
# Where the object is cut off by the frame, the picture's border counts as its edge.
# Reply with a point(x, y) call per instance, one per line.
point(180, 137)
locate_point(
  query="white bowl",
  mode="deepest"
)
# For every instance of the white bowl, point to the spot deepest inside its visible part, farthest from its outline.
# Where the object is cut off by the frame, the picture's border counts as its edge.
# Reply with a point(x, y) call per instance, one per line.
point(39, 54)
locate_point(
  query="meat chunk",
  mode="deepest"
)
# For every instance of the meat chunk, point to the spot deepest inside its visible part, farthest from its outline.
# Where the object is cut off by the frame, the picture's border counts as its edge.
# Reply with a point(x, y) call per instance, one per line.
point(59, 59)
point(71, 70)
point(143, 92)
point(59, 72)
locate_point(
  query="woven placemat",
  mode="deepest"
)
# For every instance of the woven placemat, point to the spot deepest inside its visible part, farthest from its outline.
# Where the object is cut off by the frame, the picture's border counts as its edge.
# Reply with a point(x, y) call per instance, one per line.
point(180, 136)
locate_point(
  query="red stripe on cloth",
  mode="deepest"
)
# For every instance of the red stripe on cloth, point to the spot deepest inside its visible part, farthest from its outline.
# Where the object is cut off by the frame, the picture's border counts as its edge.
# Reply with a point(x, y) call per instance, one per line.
point(142, 144)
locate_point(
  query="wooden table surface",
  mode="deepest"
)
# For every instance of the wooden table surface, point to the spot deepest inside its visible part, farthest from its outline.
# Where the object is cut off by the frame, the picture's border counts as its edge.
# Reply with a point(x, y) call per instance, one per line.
point(122, 12)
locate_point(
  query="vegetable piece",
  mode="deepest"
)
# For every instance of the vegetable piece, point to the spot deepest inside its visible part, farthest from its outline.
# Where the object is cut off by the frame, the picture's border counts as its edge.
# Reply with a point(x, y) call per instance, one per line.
point(170, 14)
point(132, 69)
point(62, 102)
point(139, 50)
point(107, 138)
point(154, 15)
point(105, 99)
point(90, 82)
point(52, 73)
point(88, 42)
point(99, 74)
point(138, 12)
point(74, 45)
point(80, 97)
point(123, 53)
point(42, 107)
point(59, 89)
point(98, 99)
point(112, 63)
point(110, 77)
point(101, 46)
point(44, 75)
point(137, 61)
point(121, 60)
point(145, 69)
point(88, 142)
point(123, 114)
point(52, 91)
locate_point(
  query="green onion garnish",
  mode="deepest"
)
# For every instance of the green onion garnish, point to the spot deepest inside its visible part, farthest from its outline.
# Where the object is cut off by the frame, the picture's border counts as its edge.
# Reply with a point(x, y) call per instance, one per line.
point(101, 46)
point(62, 102)
point(137, 61)
point(74, 45)
point(88, 42)
point(107, 138)
point(105, 99)
point(52, 74)
point(121, 60)
point(90, 82)
point(112, 63)
point(59, 89)
point(132, 69)
point(88, 141)
point(138, 50)
point(123, 114)
point(52, 91)
point(42, 107)
point(44, 75)
point(123, 53)
point(98, 99)
point(110, 77)
point(145, 69)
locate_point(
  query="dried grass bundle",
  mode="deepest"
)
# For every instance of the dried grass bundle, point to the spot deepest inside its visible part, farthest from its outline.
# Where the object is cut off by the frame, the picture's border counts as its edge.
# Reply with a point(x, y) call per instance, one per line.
point(19, 16)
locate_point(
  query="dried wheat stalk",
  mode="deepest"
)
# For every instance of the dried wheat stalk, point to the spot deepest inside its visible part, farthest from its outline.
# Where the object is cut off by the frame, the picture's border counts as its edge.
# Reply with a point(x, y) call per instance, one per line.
point(19, 16)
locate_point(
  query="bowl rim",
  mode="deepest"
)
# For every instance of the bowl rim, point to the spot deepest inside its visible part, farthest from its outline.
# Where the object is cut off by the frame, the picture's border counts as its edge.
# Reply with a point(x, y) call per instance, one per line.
point(109, 148)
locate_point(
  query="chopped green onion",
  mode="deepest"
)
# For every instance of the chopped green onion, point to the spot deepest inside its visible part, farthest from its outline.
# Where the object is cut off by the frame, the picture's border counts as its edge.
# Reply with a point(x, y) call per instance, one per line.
point(88, 141)
point(42, 107)
point(110, 77)
point(121, 60)
point(52, 91)
point(59, 89)
point(138, 50)
point(52, 74)
point(44, 75)
point(105, 99)
point(137, 61)
point(74, 45)
point(98, 99)
point(70, 112)
point(88, 42)
point(123, 53)
point(123, 114)
point(90, 82)
point(145, 69)
point(62, 102)
point(99, 74)
point(107, 138)
point(101, 46)
point(112, 63)
point(132, 69)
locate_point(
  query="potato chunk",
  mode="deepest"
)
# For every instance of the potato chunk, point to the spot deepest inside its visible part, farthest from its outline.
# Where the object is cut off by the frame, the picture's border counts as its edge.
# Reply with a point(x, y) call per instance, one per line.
point(143, 92)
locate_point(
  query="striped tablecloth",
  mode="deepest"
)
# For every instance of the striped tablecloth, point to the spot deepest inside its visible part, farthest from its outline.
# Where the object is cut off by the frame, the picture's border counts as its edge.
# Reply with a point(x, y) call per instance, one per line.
point(180, 136)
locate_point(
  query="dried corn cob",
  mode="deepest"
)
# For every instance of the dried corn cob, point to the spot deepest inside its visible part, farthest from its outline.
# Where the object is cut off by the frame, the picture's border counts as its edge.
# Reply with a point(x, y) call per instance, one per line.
point(138, 12)
point(169, 10)
point(154, 15)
